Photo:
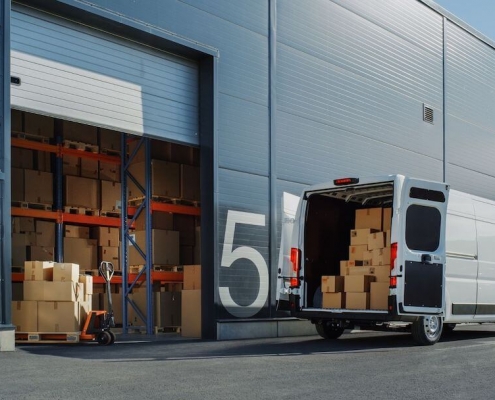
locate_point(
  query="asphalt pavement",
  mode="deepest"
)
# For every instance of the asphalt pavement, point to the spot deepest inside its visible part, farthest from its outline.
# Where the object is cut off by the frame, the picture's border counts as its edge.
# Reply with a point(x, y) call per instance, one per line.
point(364, 365)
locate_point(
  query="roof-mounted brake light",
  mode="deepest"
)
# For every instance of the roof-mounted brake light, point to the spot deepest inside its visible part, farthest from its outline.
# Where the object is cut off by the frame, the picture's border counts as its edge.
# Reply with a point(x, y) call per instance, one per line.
point(345, 181)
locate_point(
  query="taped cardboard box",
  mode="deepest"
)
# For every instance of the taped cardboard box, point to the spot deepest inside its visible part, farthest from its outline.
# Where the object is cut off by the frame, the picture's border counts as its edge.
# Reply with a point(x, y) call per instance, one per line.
point(82, 252)
point(332, 284)
point(189, 183)
point(79, 132)
point(381, 256)
point(159, 220)
point(357, 301)
point(66, 272)
point(23, 239)
point(22, 158)
point(40, 253)
point(71, 165)
point(369, 218)
point(38, 187)
point(376, 240)
point(34, 290)
point(358, 283)
point(109, 172)
point(75, 231)
point(333, 300)
point(63, 291)
point(82, 192)
point(379, 295)
point(346, 264)
point(45, 233)
point(191, 313)
point(106, 236)
point(40, 125)
point(38, 271)
point(23, 225)
point(89, 168)
point(192, 277)
point(357, 252)
point(43, 161)
point(387, 218)
point(25, 316)
point(17, 184)
point(360, 236)
point(110, 254)
point(87, 281)
point(110, 140)
point(59, 316)
point(165, 179)
point(165, 253)
point(387, 238)
point(111, 193)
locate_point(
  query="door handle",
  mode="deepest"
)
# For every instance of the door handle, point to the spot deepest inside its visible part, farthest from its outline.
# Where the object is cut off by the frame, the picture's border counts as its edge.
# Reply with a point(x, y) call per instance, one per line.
point(425, 258)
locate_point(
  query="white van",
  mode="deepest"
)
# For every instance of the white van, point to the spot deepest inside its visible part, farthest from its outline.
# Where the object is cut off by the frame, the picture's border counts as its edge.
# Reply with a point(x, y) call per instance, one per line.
point(442, 256)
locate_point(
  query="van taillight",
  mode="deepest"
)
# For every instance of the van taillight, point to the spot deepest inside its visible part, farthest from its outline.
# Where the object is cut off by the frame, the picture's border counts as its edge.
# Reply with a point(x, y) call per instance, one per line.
point(295, 259)
point(393, 257)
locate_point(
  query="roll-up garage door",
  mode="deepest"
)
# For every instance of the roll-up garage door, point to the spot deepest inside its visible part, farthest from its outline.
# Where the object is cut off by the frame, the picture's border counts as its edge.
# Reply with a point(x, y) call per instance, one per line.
point(73, 72)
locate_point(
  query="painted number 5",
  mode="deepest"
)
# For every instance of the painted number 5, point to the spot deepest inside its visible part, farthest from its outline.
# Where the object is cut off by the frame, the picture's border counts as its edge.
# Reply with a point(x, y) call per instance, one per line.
point(248, 253)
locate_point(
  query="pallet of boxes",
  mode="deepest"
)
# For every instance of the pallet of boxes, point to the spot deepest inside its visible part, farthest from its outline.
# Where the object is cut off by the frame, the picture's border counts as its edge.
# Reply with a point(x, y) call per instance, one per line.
point(56, 302)
point(363, 283)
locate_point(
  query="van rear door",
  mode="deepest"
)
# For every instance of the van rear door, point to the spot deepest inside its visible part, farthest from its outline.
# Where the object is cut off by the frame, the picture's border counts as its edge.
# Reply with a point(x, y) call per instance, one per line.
point(420, 262)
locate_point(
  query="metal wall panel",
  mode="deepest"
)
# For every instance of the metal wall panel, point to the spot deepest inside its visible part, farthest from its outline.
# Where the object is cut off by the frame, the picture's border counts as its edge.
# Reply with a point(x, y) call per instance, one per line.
point(469, 181)
point(355, 86)
point(80, 74)
point(470, 110)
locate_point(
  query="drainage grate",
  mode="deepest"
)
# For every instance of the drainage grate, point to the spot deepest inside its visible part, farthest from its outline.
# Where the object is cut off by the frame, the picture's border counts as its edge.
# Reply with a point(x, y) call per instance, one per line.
point(427, 114)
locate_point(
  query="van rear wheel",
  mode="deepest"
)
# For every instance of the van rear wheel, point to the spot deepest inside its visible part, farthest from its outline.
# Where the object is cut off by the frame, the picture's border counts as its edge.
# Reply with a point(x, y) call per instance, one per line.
point(328, 331)
point(427, 330)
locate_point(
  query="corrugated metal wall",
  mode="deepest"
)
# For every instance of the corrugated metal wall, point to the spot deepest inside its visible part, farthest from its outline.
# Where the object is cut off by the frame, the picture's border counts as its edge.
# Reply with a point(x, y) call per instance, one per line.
point(351, 78)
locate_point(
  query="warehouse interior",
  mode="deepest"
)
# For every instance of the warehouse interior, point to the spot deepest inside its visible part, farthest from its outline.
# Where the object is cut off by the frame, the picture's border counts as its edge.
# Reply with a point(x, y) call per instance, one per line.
point(71, 205)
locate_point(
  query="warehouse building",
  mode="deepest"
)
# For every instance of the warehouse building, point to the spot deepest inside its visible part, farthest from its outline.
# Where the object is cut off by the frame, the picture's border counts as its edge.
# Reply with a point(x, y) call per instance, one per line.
point(253, 99)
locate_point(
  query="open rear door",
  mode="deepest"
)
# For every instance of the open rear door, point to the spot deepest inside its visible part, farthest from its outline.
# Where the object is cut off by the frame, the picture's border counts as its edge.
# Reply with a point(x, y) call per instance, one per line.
point(420, 263)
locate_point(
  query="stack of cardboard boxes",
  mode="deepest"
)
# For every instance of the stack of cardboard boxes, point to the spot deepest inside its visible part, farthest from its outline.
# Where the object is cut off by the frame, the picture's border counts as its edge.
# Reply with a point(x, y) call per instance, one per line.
point(56, 298)
point(191, 302)
point(364, 278)
point(32, 240)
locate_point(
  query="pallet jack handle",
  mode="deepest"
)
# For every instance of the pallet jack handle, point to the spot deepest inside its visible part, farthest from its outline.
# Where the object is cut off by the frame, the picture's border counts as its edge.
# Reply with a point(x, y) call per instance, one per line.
point(106, 271)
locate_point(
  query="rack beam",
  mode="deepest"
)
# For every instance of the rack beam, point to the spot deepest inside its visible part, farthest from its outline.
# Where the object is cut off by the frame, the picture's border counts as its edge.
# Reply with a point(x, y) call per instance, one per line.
point(156, 276)
point(31, 145)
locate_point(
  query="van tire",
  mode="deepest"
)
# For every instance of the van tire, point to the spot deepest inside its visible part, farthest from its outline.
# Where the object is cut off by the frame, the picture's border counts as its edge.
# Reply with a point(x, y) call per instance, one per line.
point(426, 331)
point(328, 331)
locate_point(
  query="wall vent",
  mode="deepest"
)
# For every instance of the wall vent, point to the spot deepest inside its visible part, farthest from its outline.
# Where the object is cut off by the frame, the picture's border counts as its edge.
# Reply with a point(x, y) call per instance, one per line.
point(427, 114)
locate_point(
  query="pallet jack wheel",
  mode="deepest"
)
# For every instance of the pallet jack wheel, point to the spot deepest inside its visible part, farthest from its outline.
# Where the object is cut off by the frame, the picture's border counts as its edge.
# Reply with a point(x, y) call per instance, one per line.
point(104, 338)
point(112, 341)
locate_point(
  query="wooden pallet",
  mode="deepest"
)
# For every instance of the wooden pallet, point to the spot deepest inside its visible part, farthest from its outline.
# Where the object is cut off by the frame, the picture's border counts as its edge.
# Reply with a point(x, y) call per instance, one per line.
point(137, 201)
point(47, 337)
point(31, 137)
point(167, 329)
point(110, 214)
point(110, 152)
point(33, 206)
point(81, 211)
point(135, 269)
point(91, 148)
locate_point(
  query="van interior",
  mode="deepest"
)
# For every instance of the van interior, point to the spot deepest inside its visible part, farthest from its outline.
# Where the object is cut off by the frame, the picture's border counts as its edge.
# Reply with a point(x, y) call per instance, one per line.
point(330, 216)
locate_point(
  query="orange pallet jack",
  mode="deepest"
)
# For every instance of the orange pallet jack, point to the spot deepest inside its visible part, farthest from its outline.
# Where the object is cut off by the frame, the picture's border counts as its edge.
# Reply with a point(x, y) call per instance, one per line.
point(98, 324)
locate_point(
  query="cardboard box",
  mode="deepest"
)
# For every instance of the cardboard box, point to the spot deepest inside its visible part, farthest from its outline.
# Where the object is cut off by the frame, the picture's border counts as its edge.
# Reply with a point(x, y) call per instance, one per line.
point(360, 236)
point(165, 179)
point(346, 264)
point(382, 273)
point(379, 295)
point(387, 238)
point(189, 183)
point(82, 192)
point(17, 291)
point(165, 249)
point(357, 301)
point(22, 158)
point(65, 272)
point(111, 254)
point(38, 271)
point(79, 132)
point(376, 240)
point(111, 193)
point(110, 140)
point(381, 256)
point(82, 252)
point(109, 172)
point(25, 316)
point(191, 313)
point(106, 236)
point(22, 239)
point(139, 298)
point(34, 290)
point(38, 187)
point(45, 233)
point(358, 283)
point(87, 281)
point(370, 218)
point(19, 255)
point(40, 253)
point(333, 300)
point(170, 309)
point(71, 165)
point(387, 219)
point(159, 220)
point(357, 252)
point(192, 277)
point(17, 181)
point(58, 316)
point(23, 225)
point(367, 259)
point(43, 161)
point(63, 291)
point(332, 284)
point(15, 120)
point(89, 168)
point(40, 125)
point(74, 231)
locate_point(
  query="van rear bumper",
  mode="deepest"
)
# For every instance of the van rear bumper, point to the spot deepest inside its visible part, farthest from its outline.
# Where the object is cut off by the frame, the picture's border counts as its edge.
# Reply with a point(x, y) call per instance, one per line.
point(343, 315)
